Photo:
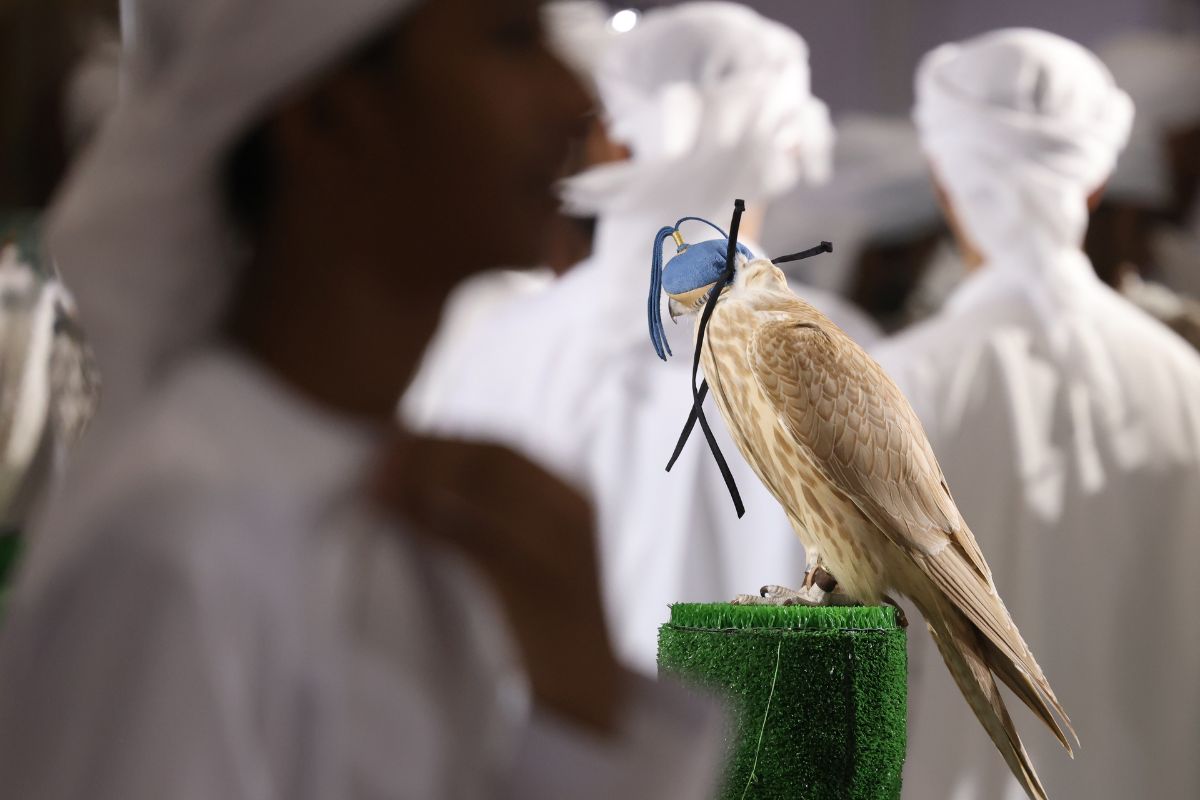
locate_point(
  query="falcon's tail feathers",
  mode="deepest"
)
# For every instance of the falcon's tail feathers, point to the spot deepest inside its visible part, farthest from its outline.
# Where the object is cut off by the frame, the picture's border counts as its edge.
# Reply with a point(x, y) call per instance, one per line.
point(1021, 685)
point(966, 654)
point(1002, 646)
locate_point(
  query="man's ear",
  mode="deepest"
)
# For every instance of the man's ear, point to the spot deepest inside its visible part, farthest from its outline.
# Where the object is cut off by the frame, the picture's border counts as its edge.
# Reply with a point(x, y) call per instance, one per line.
point(1093, 201)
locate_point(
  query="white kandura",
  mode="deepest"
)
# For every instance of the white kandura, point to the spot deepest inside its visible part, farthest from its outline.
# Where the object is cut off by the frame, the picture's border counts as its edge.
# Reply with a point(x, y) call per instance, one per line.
point(1067, 424)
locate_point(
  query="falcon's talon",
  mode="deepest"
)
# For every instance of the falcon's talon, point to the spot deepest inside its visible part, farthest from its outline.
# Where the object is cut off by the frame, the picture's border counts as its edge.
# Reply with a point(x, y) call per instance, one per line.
point(769, 600)
point(811, 594)
point(773, 595)
point(781, 592)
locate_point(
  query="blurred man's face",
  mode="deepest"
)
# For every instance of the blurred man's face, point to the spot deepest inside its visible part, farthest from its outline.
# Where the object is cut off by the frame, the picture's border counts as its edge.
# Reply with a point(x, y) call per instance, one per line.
point(469, 118)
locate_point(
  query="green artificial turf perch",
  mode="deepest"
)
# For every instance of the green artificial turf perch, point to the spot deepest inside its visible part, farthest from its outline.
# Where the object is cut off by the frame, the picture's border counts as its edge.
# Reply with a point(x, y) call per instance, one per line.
point(818, 695)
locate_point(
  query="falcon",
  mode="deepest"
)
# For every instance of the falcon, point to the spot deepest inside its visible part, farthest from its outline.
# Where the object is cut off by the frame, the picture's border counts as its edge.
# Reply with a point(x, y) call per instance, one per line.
point(838, 445)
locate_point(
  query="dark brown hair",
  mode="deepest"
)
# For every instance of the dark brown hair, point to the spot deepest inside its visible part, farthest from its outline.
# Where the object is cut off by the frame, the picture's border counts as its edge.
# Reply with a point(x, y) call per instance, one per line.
point(40, 42)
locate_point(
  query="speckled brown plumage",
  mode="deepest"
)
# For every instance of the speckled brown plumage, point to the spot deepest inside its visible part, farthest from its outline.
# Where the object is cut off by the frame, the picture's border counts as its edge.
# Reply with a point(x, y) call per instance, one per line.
point(839, 446)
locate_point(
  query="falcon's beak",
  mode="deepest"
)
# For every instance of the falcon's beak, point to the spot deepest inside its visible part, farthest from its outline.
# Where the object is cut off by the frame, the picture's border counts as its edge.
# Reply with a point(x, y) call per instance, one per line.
point(688, 302)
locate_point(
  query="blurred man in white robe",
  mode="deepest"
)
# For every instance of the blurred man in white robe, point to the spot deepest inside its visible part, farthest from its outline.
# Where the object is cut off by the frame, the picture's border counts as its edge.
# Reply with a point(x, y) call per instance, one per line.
point(1067, 421)
point(256, 586)
point(1148, 225)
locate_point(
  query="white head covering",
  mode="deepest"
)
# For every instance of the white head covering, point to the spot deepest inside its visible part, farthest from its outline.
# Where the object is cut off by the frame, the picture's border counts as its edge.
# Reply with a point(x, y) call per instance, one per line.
point(714, 101)
point(1021, 125)
point(580, 33)
point(139, 233)
point(1161, 72)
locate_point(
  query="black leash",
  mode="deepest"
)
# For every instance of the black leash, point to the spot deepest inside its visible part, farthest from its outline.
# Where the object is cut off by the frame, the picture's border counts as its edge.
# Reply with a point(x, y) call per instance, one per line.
point(698, 394)
point(823, 247)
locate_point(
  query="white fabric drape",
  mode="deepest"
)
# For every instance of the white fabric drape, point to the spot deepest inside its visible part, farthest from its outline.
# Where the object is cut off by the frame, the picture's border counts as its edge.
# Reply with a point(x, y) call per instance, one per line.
point(1068, 425)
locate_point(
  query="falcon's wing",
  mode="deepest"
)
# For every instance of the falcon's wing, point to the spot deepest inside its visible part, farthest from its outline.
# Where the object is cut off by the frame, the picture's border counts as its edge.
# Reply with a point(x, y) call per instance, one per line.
point(867, 441)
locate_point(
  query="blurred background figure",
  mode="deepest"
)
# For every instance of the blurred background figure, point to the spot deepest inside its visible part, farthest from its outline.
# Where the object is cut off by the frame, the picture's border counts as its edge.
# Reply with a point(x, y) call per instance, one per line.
point(255, 586)
point(878, 210)
point(1145, 236)
point(712, 102)
point(58, 76)
point(1068, 426)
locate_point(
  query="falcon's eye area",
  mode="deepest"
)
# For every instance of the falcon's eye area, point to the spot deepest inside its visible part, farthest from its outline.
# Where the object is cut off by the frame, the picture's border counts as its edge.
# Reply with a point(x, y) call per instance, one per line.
point(701, 264)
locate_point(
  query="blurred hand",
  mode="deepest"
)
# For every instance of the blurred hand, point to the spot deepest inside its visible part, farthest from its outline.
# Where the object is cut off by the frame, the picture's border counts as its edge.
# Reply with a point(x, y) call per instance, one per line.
point(532, 537)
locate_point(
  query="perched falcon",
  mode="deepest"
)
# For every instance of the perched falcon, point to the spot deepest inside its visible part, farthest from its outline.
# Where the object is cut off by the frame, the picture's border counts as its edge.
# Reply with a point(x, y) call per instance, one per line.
point(838, 445)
